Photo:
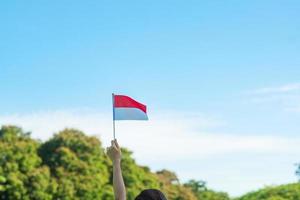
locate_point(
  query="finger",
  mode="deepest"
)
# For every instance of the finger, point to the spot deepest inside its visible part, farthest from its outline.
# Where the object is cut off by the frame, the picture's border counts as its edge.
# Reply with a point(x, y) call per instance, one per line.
point(114, 146)
point(116, 143)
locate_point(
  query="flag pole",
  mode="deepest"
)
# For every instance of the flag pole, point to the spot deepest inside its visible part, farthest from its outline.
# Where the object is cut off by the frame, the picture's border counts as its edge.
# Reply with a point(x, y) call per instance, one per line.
point(113, 106)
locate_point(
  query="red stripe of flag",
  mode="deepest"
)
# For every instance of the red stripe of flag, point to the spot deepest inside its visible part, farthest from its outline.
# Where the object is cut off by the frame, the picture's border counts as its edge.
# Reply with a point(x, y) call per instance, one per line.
point(122, 101)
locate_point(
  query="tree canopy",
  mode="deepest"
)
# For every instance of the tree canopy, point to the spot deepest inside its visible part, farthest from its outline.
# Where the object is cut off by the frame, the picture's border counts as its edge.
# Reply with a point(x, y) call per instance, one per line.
point(283, 192)
point(22, 174)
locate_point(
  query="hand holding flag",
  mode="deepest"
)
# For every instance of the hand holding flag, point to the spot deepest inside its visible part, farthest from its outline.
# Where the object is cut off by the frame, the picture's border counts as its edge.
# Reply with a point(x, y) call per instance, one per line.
point(114, 151)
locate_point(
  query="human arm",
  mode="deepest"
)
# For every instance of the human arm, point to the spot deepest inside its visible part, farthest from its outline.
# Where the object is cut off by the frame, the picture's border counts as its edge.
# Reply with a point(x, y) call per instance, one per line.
point(114, 152)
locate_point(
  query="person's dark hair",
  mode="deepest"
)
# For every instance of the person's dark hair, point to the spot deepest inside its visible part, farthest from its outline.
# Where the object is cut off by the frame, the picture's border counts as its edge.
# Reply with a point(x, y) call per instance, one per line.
point(151, 194)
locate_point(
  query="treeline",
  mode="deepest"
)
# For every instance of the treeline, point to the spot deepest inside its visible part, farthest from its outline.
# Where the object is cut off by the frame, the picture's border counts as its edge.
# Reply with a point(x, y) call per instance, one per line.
point(73, 166)
point(282, 192)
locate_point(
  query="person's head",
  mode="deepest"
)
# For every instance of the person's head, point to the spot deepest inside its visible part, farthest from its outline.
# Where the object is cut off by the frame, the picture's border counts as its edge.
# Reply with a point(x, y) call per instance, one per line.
point(151, 194)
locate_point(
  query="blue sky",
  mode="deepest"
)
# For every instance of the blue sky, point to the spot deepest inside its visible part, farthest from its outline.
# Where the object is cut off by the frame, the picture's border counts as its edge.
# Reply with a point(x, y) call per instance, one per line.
point(234, 65)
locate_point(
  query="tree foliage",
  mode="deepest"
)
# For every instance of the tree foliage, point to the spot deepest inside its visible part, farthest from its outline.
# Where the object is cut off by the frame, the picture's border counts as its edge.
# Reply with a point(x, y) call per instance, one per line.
point(283, 192)
point(22, 175)
point(136, 177)
point(79, 166)
point(202, 192)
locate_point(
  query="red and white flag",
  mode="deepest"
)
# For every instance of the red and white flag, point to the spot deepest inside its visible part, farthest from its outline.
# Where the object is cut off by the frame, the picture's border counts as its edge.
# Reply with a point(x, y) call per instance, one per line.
point(126, 108)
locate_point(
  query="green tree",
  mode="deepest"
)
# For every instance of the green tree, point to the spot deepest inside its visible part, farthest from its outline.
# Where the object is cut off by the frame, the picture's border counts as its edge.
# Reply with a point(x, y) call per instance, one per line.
point(202, 193)
point(136, 178)
point(79, 165)
point(169, 183)
point(282, 192)
point(21, 174)
point(196, 186)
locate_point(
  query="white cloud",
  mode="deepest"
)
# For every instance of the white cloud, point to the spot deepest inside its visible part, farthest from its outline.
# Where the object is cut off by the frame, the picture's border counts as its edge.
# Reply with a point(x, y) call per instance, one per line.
point(171, 136)
point(279, 89)
point(286, 97)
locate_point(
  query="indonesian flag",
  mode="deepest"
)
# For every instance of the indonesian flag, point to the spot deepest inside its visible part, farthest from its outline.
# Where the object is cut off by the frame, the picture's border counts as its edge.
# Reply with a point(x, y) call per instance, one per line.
point(126, 108)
